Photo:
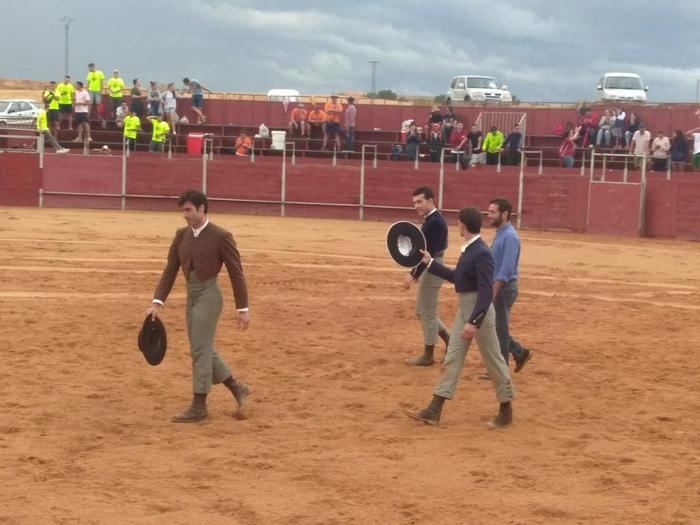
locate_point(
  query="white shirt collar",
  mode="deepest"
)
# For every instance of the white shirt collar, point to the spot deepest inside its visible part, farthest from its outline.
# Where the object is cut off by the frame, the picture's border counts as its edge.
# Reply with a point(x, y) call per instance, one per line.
point(429, 214)
point(470, 242)
point(197, 231)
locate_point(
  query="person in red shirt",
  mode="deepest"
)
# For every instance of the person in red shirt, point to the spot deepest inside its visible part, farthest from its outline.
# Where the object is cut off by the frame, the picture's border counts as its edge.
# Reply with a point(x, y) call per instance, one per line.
point(297, 120)
point(458, 138)
point(567, 150)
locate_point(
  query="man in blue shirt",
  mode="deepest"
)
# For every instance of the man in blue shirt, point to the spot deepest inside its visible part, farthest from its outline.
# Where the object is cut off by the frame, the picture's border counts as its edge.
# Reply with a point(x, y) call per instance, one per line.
point(506, 254)
point(434, 229)
point(475, 319)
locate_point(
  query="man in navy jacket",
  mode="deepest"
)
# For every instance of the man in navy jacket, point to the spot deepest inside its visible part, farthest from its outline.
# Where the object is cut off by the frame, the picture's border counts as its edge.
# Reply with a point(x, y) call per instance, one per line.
point(475, 319)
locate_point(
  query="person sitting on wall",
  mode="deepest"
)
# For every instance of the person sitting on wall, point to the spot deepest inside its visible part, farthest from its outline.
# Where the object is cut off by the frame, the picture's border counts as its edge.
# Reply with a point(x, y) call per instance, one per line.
point(316, 119)
point(297, 120)
point(244, 144)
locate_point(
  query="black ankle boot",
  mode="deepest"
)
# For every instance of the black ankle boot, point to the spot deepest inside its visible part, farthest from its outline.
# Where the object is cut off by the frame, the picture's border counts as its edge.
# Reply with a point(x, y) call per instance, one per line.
point(430, 414)
point(424, 360)
point(240, 392)
point(505, 415)
point(196, 412)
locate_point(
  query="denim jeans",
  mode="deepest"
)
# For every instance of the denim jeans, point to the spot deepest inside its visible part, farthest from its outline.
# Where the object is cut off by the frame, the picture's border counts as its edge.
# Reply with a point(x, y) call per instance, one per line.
point(350, 139)
point(503, 303)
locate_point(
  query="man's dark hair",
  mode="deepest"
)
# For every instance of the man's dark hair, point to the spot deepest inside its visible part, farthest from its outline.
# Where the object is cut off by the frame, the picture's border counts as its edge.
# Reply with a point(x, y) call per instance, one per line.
point(185, 80)
point(471, 218)
point(425, 191)
point(503, 205)
point(195, 197)
point(79, 83)
point(91, 64)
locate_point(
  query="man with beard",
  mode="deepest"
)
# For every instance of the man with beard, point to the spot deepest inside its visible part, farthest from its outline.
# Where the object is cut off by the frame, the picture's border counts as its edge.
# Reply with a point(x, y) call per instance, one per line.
point(506, 254)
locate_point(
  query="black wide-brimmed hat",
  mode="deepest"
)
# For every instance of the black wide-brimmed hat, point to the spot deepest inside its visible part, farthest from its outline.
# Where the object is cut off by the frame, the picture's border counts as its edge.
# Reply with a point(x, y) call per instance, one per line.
point(405, 240)
point(153, 340)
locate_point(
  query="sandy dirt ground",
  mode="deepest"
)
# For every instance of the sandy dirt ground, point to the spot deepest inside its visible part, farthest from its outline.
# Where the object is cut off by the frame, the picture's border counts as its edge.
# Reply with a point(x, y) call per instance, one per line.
point(606, 424)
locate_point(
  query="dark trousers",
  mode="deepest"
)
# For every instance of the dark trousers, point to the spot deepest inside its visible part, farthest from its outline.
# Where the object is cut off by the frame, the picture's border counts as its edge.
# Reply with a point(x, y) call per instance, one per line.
point(659, 164)
point(503, 303)
point(511, 157)
point(491, 158)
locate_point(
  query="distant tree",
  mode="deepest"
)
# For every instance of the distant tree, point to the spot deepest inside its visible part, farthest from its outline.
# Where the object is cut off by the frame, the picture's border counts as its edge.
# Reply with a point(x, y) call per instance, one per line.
point(439, 99)
point(386, 94)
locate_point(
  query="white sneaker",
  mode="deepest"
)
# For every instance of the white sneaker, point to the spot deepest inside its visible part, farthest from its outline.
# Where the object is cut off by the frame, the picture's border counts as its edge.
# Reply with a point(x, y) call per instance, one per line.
point(62, 151)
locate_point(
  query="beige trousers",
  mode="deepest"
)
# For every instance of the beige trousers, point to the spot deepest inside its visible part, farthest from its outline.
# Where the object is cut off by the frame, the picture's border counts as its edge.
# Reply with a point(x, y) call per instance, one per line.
point(487, 339)
point(204, 303)
point(427, 297)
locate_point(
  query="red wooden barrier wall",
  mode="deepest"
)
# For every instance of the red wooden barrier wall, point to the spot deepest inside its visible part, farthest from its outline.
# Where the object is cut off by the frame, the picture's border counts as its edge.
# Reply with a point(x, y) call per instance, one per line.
point(558, 199)
point(20, 179)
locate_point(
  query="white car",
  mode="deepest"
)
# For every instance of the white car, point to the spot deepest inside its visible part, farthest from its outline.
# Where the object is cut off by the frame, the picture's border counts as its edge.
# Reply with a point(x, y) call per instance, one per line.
point(18, 112)
point(290, 95)
point(621, 87)
point(477, 88)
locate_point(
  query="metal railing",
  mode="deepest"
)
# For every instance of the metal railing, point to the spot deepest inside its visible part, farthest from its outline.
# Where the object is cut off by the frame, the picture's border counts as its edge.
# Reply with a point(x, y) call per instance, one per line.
point(503, 120)
point(525, 153)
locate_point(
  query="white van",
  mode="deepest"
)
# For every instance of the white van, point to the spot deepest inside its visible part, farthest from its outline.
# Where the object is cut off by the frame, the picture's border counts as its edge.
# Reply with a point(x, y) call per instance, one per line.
point(477, 88)
point(622, 86)
point(290, 95)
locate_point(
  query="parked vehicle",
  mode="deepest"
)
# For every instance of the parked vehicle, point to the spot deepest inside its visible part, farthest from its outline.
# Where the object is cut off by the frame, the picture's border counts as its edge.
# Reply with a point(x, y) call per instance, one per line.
point(18, 112)
point(621, 86)
point(291, 95)
point(477, 88)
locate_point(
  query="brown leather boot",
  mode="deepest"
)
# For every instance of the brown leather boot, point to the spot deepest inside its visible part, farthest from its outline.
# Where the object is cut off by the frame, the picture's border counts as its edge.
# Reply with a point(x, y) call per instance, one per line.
point(504, 417)
point(430, 414)
point(240, 392)
point(424, 360)
point(196, 412)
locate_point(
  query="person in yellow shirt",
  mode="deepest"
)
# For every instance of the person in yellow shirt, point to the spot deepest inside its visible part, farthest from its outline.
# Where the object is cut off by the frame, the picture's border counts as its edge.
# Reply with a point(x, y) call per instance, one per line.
point(334, 110)
point(95, 85)
point(493, 145)
point(115, 85)
point(50, 99)
point(66, 92)
point(132, 125)
point(161, 129)
point(42, 127)
point(243, 144)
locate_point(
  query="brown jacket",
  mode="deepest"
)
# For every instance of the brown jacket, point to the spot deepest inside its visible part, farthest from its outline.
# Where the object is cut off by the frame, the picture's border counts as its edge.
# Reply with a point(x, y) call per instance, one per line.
point(205, 254)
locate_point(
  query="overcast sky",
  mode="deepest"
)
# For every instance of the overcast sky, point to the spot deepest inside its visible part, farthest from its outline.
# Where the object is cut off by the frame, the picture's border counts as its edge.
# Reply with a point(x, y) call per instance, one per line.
point(545, 50)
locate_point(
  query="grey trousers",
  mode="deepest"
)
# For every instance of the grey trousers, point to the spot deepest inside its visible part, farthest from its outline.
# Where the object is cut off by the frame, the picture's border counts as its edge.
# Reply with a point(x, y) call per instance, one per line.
point(427, 305)
point(204, 303)
point(487, 340)
point(50, 138)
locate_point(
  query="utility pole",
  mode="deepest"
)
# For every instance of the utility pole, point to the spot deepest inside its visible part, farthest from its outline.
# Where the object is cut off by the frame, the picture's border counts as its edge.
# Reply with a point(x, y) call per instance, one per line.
point(374, 75)
point(66, 25)
point(697, 90)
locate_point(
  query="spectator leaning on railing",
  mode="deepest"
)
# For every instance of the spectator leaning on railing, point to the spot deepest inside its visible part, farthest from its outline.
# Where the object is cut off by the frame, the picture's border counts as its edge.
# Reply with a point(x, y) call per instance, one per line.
point(160, 133)
point(492, 145)
point(640, 144)
point(660, 148)
point(679, 151)
point(512, 146)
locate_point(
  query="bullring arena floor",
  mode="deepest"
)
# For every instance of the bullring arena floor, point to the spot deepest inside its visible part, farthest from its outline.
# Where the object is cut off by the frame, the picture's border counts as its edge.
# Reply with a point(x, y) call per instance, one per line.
point(606, 427)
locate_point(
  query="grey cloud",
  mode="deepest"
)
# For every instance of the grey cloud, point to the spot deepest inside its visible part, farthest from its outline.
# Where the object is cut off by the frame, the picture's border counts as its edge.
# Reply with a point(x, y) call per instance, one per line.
point(544, 49)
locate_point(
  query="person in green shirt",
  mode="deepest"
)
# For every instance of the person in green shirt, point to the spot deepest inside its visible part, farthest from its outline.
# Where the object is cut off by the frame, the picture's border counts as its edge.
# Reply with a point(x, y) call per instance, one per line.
point(50, 99)
point(66, 93)
point(160, 133)
point(493, 145)
point(95, 85)
point(115, 85)
point(42, 127)
point(132, 125)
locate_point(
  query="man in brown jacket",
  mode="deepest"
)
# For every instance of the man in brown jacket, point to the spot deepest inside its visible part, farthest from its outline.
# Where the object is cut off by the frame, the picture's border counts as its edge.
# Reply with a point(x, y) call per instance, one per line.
point(201, 248)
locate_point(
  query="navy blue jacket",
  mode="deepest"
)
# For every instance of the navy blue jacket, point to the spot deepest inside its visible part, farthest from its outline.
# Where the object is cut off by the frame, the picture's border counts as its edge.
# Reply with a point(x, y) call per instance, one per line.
point(434, 229)
point(474, 273)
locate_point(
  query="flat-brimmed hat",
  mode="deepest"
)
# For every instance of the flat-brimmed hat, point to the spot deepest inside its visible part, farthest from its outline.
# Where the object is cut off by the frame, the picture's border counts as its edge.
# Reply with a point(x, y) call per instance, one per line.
point(405, 240)
point(153, 340)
